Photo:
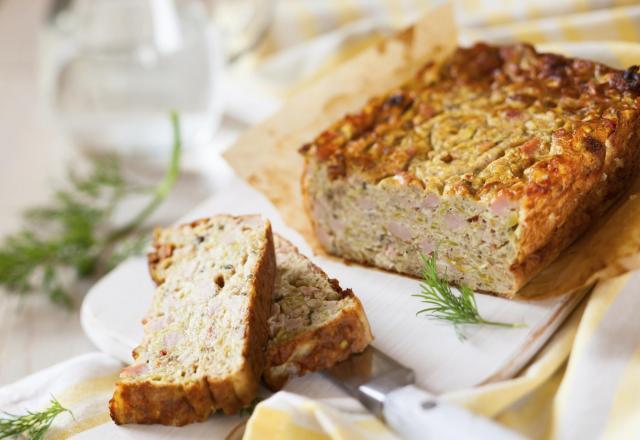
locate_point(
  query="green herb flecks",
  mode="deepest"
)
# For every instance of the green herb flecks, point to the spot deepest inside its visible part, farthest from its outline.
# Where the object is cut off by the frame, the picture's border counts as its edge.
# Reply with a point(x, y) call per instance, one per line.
point(444, 304)
point(73, 237)
point(32, 425)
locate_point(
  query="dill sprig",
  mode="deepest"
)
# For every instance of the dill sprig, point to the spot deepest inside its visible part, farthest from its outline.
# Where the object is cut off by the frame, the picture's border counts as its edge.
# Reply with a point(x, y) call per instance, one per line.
point(444, 304)
point(32, 425)
point(73, 237)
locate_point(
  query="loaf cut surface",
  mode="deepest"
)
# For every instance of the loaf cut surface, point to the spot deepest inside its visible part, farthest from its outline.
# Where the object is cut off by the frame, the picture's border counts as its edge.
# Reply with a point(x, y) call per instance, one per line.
point(206, 331)
point(314, 323)
point(498, 159)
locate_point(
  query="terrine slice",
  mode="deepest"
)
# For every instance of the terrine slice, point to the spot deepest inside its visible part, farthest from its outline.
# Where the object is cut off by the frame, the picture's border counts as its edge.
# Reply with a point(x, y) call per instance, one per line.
point(206, 331)
point(314, 323)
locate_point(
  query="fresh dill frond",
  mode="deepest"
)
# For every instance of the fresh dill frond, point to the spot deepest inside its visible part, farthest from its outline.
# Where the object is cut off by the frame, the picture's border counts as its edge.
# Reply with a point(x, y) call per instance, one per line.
point(73, 236)
point(443, 304)
point(32, 425)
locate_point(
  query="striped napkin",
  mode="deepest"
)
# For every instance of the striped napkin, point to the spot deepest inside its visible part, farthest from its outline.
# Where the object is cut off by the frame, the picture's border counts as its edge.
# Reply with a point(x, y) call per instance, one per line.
point(310, 37)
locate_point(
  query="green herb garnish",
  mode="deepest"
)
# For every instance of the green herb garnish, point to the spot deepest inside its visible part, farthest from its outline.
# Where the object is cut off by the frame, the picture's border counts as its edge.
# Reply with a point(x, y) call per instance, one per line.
point(73, 237)
point(32, 425)
point(444, 304)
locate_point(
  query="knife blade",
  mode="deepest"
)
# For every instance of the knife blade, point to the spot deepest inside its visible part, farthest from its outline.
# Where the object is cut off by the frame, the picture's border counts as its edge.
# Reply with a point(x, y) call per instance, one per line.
point(386, 388)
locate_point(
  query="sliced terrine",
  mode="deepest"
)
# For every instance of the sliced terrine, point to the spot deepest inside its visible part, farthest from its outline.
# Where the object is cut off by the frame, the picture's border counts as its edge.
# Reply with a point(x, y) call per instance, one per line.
point(206, 331)
point(314, 323)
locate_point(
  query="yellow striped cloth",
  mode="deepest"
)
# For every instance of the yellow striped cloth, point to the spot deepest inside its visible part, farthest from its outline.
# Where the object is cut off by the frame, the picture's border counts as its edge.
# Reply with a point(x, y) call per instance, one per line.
point(309, 37)
point(298, 21)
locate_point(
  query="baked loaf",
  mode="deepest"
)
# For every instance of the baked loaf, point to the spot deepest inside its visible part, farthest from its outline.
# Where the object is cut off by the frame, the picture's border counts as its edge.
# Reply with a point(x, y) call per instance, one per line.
point(498, 159)
point(314, 323)
point(206, 331)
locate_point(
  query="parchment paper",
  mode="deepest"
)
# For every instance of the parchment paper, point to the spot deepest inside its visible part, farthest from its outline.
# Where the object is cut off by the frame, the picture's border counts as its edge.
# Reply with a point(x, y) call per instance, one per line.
point(267, 157)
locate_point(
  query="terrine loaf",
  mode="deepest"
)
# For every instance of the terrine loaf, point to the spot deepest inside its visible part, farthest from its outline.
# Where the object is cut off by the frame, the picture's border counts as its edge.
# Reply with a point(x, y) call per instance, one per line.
point(206, 331)
point(314, 323)
point(497, 158)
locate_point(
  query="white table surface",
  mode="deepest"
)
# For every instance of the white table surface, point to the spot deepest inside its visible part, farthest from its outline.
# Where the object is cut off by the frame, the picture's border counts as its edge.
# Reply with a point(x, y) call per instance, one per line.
point(34, 333)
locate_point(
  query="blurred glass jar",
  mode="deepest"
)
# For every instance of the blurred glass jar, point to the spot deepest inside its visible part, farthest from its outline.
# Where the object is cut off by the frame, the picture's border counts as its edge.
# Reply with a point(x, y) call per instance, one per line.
point(114, 69)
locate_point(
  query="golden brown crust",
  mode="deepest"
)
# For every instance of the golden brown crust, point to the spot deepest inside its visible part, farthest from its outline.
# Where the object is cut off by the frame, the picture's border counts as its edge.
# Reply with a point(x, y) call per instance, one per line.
point(576, 146)
point(171, 404)
point(348, 333)
point(256, 341)
point(322, 347)
point(590, 96)
point(592, 205)
point(147, 402)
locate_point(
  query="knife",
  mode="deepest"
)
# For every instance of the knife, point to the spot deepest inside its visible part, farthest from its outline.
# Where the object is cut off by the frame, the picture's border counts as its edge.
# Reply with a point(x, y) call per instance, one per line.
point(387, 389)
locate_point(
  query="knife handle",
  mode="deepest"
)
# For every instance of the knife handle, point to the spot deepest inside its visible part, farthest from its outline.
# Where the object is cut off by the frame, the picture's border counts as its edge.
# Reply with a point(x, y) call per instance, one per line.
point(415, 414)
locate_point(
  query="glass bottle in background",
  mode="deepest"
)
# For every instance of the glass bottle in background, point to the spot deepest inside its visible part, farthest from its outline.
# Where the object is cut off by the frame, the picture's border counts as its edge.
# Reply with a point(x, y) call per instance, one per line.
point(116, 68)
